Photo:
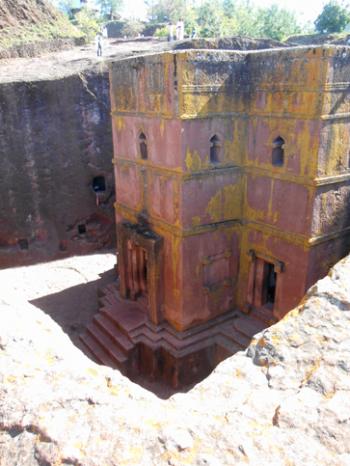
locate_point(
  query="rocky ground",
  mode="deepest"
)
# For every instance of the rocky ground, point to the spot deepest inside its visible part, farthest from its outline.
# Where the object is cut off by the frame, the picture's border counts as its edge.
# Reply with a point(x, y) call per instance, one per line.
point(61, 64)
point(284, 401)
point(57, 65)
point(80, 59)
point(66, 290)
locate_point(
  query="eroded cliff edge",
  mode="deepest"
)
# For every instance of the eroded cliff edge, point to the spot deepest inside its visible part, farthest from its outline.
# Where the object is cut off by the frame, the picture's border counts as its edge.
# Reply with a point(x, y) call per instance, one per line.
point(285, 400)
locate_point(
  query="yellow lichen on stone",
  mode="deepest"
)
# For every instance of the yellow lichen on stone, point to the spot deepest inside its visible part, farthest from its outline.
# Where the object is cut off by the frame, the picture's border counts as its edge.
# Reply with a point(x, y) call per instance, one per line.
point(275, 338)
point(193, 160)
point(184, 456)
point(114, 390)
point(133, 455)
point(196, 220)
point(292, 314)
point(92, 371)
point(162, 127)
point(338, 143)
point(225, 204)
point(50, 358)
point(314, 367)
point(11, 379)
point(232, 201)
point(229, 153)
point(119, 121)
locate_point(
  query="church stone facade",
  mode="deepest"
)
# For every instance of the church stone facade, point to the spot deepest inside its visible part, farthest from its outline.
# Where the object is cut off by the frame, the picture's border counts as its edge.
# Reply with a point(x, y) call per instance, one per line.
point(232, 184)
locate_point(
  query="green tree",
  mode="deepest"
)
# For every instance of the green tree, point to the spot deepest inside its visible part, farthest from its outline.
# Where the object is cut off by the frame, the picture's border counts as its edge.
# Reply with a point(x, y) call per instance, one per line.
point(191, 24)
point(333, 18)
point(215, 18)
point(87, 22)
point(110, 8)
point(209, 19)
point(166, 10)
point(228, 7)
point(162, 32)
point(240, 18)
point(132, 27)
point(277, 23)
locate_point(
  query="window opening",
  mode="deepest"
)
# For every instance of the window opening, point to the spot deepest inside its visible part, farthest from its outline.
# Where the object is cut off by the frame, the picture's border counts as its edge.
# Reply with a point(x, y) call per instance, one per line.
point(81, 229)
point(143, 146)
point(278, 152)
point(214, 149)
point(99, 184)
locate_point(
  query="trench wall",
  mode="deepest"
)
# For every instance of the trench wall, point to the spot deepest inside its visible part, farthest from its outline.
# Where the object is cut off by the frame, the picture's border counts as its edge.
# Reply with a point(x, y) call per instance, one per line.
point(55, 139)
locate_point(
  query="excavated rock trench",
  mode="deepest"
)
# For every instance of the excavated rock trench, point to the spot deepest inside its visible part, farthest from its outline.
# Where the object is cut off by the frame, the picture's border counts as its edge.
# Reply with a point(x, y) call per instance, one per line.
point(56, 141)
point(285, 400)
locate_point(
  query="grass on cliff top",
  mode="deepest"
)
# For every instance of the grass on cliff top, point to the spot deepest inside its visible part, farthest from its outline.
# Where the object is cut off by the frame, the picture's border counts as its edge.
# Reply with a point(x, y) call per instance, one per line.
point(22, 35)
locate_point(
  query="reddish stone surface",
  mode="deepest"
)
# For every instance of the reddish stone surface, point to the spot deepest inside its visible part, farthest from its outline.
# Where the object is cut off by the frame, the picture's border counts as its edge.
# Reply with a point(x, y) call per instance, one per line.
point(55, 138)
point(246, 201)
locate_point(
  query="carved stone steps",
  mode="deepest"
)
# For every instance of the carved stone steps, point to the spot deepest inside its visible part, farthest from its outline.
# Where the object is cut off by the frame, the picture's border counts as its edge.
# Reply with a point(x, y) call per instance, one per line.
point(238, 338)
point(248, 326)
point(104, 341)
point(171, 342)
point(264, 315)
point(85, 347)
point(221, 319)
point(122, 336)
point(132, 321)
point(99, 354)
point(126, 319)
point(113, 331)
point(228, 343)
point(179, 351)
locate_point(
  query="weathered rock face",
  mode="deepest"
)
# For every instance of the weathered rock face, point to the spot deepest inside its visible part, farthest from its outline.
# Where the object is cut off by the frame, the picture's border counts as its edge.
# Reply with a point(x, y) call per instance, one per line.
point(228, 43)
point(56, 195)
point(283, 401)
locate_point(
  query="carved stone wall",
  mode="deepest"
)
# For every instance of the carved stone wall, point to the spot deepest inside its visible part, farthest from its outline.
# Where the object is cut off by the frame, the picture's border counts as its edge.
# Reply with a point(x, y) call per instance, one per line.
point(55, 145)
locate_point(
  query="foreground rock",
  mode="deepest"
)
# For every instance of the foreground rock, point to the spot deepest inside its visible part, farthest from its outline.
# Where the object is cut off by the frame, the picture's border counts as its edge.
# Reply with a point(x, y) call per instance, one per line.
point(285, 401)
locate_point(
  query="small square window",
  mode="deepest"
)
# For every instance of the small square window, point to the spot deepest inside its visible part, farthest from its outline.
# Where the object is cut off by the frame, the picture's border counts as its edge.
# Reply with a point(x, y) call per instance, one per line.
point(82, 229)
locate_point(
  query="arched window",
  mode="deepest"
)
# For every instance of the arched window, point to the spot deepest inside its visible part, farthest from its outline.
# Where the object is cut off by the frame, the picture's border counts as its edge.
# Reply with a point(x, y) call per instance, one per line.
point(99, 184)
point(214, 149)
point(143, 146)
point(278, 152)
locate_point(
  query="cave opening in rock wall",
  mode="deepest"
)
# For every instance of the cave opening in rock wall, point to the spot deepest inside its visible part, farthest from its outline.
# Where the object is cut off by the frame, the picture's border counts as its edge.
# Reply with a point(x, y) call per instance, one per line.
point(82, 229)
point(99, 184)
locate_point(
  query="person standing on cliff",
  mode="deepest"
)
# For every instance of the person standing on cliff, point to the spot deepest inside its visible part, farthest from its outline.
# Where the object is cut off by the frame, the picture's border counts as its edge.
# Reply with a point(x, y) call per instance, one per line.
point(99, 45)
point(180, 30)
